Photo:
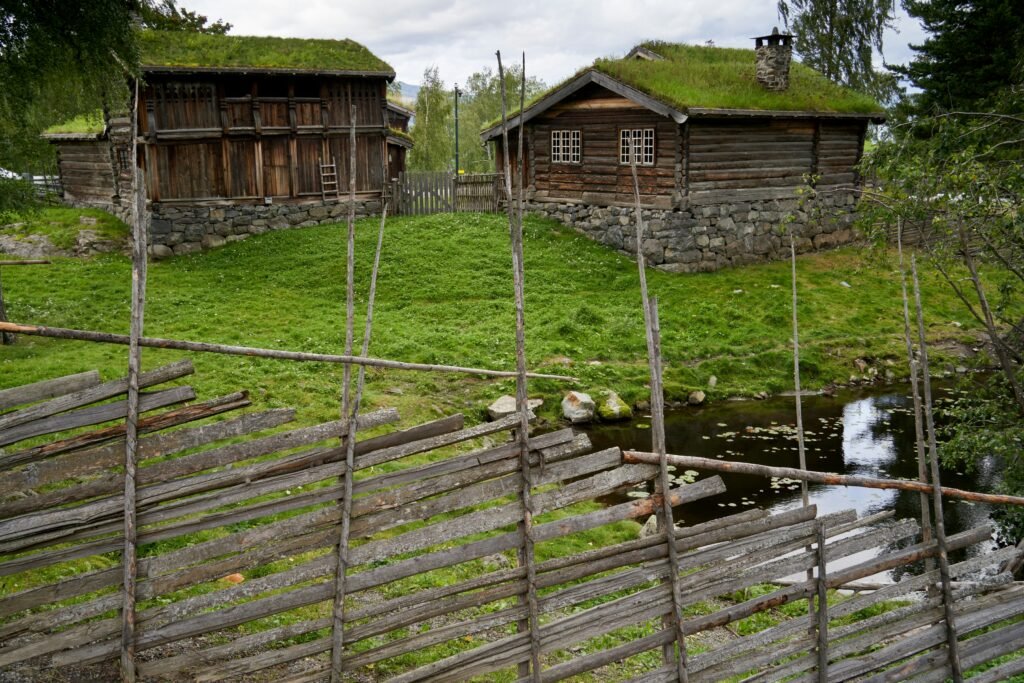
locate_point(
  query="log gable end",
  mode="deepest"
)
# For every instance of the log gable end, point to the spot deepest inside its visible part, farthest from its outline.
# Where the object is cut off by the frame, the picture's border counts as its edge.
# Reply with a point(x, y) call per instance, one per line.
point(247, 137)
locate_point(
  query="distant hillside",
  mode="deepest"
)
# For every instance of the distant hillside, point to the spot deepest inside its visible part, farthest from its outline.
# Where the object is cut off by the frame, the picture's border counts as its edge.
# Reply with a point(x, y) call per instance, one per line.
point(409, 91)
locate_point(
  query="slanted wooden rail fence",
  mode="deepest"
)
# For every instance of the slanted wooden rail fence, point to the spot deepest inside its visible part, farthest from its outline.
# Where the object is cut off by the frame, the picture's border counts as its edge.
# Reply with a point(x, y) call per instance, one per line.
point(434, 576)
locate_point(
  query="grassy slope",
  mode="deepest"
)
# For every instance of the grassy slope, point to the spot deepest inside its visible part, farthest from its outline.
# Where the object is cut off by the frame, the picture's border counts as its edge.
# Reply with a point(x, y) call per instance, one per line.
point(445, 296)
point(62, 225)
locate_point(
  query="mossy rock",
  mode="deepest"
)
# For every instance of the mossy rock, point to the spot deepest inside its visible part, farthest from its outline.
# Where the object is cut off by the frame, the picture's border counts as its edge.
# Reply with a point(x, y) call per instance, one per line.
point(612, 408)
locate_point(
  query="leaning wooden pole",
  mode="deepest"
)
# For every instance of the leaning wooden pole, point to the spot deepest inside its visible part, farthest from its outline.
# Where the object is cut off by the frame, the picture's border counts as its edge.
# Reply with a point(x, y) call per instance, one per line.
point(952, 646)
point(526, 554)
point(227, 349)
point(811, 476)
point(665, 517)
point(915, 390)
point(350, 453)
point(131, 442)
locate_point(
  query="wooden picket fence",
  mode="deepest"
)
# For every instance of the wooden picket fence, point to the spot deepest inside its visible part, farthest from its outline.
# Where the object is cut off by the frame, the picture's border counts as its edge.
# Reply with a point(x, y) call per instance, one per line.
point(428, 192)
point(239, 525)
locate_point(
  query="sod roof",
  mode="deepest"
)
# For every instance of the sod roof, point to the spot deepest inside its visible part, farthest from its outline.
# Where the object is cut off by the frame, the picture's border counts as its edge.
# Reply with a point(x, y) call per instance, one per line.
point(689, 78)
point(201, 51)
point(83, 125)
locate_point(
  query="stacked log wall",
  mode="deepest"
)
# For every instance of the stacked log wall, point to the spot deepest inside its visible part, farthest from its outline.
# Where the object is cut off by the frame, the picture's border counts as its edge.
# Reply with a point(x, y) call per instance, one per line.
point(86, 173)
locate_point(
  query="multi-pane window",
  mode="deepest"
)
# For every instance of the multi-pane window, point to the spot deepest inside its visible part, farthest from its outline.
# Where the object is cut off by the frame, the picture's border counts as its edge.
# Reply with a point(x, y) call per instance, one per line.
point(643, 145)
point(565, 146)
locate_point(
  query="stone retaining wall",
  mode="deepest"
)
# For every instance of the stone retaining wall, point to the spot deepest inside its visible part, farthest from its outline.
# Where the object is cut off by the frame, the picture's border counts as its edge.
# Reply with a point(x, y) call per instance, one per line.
point(706, 238)
point(177, 229)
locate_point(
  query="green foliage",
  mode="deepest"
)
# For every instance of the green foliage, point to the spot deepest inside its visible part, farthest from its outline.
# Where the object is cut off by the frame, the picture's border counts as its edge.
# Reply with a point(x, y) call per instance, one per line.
point(974, 50)
point(174, 48)
point(165, 15)
point(838, 40)
point(58, 58)
point(480, 104)
point(434, 126)
point(959, 178)
point(17, 198)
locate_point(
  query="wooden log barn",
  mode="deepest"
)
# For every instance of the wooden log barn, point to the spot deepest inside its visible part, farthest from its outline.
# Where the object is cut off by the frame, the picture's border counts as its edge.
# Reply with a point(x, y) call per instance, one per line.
point(241, 134)
point(722, 139)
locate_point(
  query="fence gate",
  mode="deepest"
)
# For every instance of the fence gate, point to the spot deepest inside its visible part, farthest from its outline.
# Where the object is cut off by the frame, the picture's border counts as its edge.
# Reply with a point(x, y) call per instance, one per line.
point(426, 192)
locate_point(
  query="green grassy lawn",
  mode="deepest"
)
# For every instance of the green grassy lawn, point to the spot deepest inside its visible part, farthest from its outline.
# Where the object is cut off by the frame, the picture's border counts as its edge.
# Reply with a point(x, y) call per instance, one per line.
point(445, 296)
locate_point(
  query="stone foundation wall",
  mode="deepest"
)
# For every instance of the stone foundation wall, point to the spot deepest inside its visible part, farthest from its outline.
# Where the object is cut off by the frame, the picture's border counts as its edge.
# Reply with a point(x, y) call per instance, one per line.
point(176, 229)
point(706, 238)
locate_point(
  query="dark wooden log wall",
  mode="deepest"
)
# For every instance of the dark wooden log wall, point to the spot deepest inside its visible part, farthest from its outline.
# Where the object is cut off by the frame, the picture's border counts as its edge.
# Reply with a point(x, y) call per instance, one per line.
point(85, 171)
point(247, 138)
point(768, 158)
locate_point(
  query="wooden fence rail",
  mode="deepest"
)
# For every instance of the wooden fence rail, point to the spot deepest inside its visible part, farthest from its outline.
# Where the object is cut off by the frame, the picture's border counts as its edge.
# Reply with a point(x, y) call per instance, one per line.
point(238, 518)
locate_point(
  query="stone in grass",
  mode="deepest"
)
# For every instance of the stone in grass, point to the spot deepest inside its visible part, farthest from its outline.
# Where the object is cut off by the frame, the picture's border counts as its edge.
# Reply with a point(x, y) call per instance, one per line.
point(613, 408)
point(650, 527)
point(696, 398)
point(578, 407)
point(506, 405)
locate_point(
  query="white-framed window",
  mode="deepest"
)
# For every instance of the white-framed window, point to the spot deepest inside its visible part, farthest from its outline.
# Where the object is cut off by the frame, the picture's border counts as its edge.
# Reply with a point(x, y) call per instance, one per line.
point(643, 145)
point(565, 147)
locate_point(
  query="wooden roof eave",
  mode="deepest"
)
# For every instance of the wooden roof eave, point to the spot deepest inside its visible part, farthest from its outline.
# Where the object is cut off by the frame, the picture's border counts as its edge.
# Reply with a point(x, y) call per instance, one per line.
point(712, 112)
point(264, 70)
point(395, 107)
point(574, 86)
point(55, 138)
point(400, 141)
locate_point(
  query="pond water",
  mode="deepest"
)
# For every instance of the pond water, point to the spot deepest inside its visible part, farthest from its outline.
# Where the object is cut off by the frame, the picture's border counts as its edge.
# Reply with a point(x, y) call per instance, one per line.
point(866, 432)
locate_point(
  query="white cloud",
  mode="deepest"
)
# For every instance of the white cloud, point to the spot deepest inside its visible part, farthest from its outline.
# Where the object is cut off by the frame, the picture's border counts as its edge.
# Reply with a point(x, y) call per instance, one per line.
point(558, 36)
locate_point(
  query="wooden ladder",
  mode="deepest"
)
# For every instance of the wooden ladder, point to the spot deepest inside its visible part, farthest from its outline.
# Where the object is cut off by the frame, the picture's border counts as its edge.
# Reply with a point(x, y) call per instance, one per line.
point(329, 179)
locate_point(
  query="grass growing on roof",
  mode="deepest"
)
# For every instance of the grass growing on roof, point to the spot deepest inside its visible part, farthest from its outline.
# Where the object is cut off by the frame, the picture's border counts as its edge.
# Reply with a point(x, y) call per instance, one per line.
point(185, 49)
point(719, 77)
point(82, 124)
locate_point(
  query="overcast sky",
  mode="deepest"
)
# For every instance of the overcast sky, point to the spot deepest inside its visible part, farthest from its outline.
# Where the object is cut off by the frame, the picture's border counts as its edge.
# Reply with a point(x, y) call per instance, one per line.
point(558, 36)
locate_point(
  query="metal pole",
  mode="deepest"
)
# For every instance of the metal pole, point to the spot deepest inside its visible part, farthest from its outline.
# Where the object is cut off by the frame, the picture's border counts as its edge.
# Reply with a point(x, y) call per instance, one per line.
point(457, 93)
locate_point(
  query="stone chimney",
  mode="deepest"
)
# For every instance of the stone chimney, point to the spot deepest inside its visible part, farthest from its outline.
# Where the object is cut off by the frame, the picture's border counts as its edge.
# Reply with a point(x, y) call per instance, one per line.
point(774, 54)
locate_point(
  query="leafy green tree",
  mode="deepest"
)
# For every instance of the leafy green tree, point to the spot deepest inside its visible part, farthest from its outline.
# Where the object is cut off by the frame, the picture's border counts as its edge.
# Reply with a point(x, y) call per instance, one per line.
point(959, 178)
point(59, 58)
point(839, 37)
point(975, 50)
point(165, 15)
point(480, 106)
point(434, 127)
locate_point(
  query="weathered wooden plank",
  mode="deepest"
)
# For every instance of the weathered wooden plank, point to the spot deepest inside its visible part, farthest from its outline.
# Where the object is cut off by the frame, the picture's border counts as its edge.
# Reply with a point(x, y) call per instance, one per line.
point(94, 394)
point(50, 471)
point(151, 423)
point(193, 661)
point(89, 416)
point(48, 388)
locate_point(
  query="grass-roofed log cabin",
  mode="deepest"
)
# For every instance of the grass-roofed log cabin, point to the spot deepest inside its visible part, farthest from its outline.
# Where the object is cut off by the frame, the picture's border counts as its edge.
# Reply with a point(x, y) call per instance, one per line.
point(233, 131)
point(722, 137)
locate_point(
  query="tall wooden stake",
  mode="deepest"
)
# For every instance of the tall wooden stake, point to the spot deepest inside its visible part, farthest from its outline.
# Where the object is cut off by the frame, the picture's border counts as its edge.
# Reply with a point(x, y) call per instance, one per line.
point(952, 647)
point(350, 451)
point(665, 517)
point(138, 301)
point(5, 337)
point(922, 462)
point(338, 632)
point(822, 585)
point(526, 554)
point(801, 450)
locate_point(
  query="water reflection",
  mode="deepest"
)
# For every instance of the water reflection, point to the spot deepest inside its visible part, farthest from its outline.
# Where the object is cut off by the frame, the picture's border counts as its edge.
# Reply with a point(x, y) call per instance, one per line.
point(863, 433)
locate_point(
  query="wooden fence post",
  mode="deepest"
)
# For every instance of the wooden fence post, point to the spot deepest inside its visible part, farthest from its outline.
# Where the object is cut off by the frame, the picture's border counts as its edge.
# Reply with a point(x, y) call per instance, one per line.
point(952, 647)
point(138, 303)
point(822, 587)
